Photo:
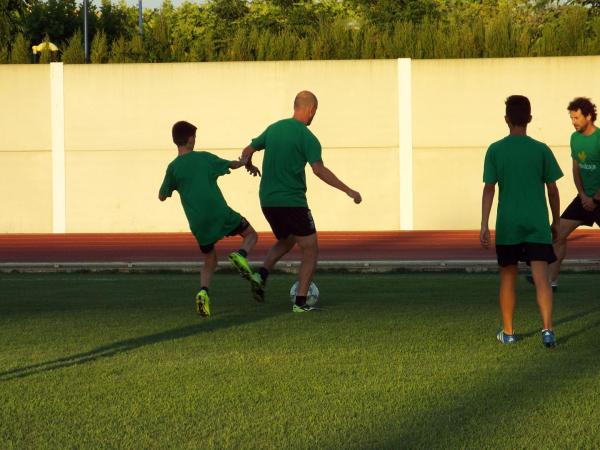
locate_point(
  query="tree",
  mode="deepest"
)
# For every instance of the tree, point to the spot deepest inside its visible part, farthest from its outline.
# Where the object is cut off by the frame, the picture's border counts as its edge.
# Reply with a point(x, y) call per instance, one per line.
point(99, 48)
point(136, 50)
point(11, 13)
point(57, 18)
point(20, 52)
point(119, 52)
point(4, 55)
point(74, 52)
point(157, 37)
point(385, 13)
point(229, 10)
point(115, 20)
point(187, 27)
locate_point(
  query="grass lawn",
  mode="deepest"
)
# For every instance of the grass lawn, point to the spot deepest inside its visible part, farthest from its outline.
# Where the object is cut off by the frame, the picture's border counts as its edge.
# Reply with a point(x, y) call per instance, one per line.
point(393, 361)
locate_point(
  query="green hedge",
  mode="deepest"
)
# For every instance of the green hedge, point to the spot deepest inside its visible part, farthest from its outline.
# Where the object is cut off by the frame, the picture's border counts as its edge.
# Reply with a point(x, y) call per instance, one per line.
point(240, 30)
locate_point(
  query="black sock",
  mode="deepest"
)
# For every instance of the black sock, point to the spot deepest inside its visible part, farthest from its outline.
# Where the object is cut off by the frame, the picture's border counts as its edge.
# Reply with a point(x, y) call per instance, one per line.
point(204, 288)
point(264, 274)
point(300, 300)
point(243, 252)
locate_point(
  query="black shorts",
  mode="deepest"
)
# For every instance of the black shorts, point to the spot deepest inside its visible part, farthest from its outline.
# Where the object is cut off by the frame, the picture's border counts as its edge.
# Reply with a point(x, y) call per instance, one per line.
point(575, 211)
point(286, 221)
point(243, 225)
point(510, 255)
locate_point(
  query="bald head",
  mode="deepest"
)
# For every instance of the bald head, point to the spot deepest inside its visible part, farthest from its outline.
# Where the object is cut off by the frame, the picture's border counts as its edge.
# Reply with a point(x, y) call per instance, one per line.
point(305, 99)
point(305, 106)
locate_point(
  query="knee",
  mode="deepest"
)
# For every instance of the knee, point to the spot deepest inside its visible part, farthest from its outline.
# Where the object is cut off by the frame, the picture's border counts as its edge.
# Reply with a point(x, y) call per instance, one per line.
point(254, 235)
point(561, 240)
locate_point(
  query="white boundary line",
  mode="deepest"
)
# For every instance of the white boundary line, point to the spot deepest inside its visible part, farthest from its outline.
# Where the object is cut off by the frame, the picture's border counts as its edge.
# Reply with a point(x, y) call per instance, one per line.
point(57, 131)
point(405, 143)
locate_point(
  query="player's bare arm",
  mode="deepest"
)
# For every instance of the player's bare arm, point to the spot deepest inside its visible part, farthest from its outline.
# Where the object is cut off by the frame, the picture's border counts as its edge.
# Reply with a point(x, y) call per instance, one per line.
point(247, 157)
point(586, 201)
point(162, 198)
point(331, 179)
point(554, 200)
point(487, 198)
point(236, 164)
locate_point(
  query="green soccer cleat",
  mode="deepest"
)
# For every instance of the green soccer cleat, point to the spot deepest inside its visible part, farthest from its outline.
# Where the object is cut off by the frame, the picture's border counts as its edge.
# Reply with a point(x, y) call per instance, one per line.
point(258, 287)
point(241, 264)
point(203, 303)
point(302, 309)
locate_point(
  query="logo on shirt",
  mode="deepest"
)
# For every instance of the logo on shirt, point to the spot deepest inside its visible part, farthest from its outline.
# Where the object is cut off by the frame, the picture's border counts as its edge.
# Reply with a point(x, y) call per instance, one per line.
point(582, 156)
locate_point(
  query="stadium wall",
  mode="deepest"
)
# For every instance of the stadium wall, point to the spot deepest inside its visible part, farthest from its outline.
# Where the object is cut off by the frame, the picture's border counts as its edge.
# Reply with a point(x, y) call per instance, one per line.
point(116, 123)
point(25, 149)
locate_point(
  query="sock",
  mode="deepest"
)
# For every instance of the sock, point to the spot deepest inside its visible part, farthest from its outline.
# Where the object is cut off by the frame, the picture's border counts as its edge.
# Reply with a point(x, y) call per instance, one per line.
point(204, 288)
point(243, 252)
point(300, 300)
point(264, 273)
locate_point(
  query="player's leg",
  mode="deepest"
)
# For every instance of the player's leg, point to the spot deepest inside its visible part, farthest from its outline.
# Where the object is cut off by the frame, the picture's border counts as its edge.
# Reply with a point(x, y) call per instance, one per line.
point(540, 256)
point(507, 297)
point(543, 292)
point(250, 239)
point(206, 274)
point(567, 226)
point(209, 267)
point(508, 260)
point(258, 279)
point(572, 217)
point(239, 258)
point(310, 252)
point(280, 220)
point(278, 251)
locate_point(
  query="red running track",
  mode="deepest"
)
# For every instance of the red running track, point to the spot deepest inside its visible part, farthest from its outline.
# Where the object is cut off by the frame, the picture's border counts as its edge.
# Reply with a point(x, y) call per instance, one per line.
point(334, 246)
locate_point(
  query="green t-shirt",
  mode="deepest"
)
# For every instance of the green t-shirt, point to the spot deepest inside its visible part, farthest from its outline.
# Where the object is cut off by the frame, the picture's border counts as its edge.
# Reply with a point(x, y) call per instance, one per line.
point(194, 175)
point(521, 166)
point(289, 145)
point(585, 150)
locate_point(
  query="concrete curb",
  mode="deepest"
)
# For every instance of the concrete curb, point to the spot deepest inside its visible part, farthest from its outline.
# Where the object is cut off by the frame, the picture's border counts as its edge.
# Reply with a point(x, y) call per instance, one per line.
point(469, 266)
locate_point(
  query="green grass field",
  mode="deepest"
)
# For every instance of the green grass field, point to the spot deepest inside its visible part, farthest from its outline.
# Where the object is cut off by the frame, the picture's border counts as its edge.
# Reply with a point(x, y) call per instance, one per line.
point(393, 361)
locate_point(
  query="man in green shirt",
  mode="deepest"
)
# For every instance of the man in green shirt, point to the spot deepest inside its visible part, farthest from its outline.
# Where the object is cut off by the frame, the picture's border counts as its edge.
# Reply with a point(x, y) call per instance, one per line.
point(521, 166)
point(289, 145)
point(585, 153)
point(194, 175)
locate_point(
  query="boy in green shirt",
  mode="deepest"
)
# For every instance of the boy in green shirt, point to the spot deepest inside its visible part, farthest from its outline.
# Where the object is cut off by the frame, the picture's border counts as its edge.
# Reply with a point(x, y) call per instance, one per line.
point(521, 166)
point(194, 175)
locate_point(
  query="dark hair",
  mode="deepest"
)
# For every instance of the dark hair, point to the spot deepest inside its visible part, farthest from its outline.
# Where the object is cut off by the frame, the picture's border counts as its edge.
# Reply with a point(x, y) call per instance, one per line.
point(182, 131)
point(585, 105)
point(518, 110)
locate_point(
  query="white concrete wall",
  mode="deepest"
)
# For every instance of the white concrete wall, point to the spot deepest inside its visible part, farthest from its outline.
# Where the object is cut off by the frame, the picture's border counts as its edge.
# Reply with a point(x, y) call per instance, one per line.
point(117, 143)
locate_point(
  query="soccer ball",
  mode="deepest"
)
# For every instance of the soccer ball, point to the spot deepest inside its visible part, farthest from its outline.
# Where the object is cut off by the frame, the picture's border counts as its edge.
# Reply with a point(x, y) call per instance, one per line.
point(311, 298)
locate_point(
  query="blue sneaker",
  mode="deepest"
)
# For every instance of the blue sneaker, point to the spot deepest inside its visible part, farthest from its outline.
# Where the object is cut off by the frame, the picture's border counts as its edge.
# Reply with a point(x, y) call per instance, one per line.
point(548, 339)
point(506, 338)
